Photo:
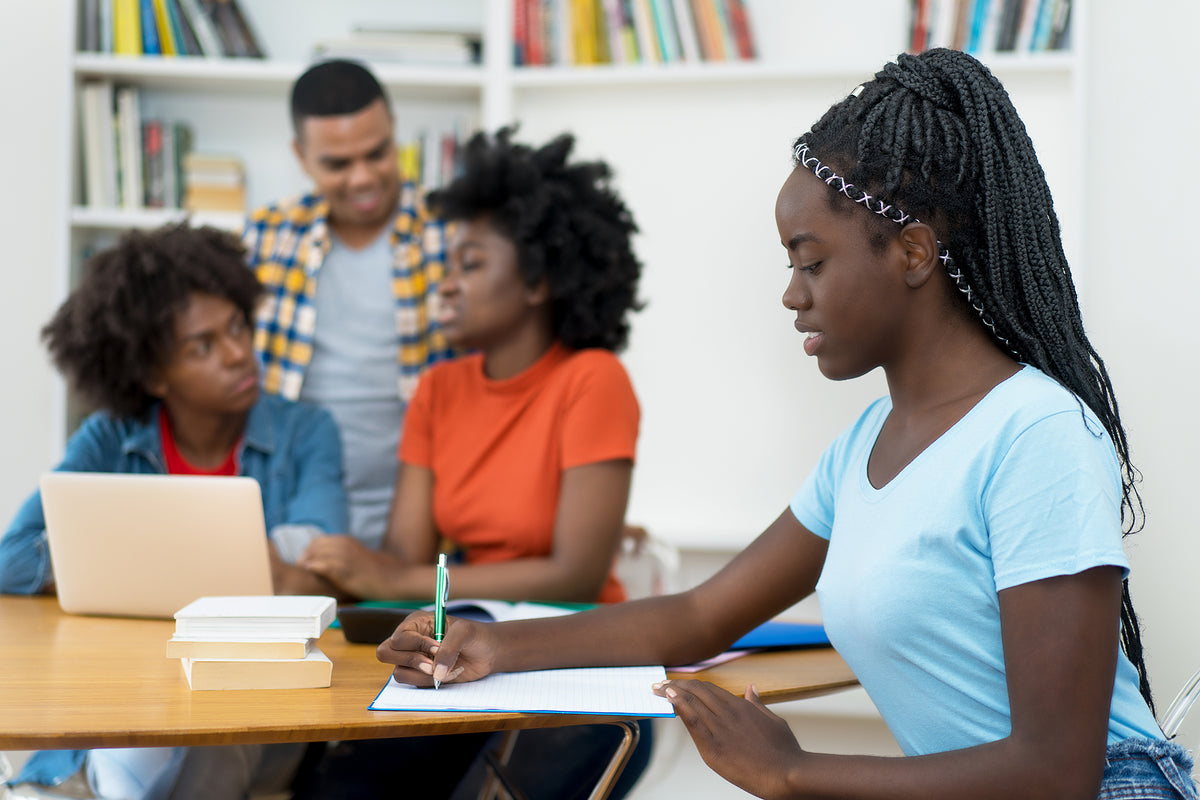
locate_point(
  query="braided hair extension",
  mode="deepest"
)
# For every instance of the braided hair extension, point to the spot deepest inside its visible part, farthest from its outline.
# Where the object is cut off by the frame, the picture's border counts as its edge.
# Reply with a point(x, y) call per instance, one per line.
point(937, 135)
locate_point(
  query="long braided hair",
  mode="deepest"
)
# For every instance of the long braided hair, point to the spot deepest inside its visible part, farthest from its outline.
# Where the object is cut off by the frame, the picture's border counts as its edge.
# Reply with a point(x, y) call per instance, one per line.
point(936, 135)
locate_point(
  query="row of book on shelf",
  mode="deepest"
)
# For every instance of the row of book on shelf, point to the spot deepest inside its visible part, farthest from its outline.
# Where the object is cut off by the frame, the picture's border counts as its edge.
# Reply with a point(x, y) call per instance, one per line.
point(630, 31)
point(991, 26)
point(133, 162)
point(260, 642)
point(130, 161)
point(211, 28)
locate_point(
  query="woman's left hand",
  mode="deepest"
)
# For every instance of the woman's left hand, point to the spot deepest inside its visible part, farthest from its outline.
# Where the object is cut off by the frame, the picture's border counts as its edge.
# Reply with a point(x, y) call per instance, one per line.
point(738, 737)
point(351, 565)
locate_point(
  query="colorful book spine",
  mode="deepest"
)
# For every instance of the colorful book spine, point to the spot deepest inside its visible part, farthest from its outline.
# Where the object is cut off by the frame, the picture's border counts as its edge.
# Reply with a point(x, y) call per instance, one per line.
point(520, 34)
point(979, 15)
point(586, 32)
point(1045, 22)
point(106, 26)
point(89, 28)
point(127, 28)
point(710, 47)
point(151, 45)
point(686, 24)
point(724, 29)
point(643, 25)
point(202, 25)
point(129, 137)
point(665, 30)
point(739, 19)
point(614, 26)
point(154, 189)
point(166, 34)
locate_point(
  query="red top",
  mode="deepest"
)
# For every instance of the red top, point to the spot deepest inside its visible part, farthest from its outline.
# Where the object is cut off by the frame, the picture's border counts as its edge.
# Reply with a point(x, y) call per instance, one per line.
point(178, 465)
point(498, 449)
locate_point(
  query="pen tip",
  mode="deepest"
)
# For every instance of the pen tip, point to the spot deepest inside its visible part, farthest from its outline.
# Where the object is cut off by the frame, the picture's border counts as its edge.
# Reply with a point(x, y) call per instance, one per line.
point(437, 684)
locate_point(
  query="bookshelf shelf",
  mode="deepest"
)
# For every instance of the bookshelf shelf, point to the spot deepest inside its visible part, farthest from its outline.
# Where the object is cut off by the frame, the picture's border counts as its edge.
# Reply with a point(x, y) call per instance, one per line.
point(534, 77)
point(666, 74)
point(84, 218)
point(190, 73)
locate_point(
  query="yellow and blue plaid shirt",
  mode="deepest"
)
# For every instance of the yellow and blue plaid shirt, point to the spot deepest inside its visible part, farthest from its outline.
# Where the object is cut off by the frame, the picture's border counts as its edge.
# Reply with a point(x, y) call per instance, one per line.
point(286, 245)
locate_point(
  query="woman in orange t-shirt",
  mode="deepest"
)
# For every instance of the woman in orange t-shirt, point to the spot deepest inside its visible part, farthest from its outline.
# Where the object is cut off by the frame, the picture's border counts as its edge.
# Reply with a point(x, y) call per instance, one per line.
point(520, 453)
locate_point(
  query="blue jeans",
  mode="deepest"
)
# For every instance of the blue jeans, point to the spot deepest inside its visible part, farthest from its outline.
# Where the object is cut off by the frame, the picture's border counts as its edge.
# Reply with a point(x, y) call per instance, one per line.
point(218, 772)
point(1147, 769)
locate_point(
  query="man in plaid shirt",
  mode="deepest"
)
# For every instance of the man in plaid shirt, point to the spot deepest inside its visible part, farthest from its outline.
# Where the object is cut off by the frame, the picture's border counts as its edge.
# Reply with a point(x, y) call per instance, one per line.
point(361, 255)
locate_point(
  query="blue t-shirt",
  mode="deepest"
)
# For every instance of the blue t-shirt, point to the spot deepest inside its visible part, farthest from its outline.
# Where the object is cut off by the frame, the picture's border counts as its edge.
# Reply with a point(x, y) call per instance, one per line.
point(1025, 486)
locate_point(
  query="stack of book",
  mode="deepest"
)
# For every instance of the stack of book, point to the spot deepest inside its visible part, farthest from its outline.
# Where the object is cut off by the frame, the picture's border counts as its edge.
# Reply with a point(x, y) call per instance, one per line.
point(261, 642)
point(213, 183)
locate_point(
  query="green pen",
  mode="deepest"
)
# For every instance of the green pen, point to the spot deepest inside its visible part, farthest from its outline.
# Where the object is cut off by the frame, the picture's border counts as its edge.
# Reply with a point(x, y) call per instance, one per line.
point(439, 604)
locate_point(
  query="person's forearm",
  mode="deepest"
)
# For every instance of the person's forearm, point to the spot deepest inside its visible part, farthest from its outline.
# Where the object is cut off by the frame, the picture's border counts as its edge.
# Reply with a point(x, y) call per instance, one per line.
point(290, 579)
point(999, 770)
point(531, 579)
point(536, 579)
point(25, 562)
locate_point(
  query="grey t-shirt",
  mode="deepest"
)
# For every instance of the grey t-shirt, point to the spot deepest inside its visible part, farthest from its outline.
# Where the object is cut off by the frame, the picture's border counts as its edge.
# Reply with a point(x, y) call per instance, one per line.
point(353, 373)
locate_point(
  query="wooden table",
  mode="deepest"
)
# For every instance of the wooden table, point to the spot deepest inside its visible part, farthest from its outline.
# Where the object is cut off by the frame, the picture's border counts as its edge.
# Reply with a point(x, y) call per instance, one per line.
point(80, 682)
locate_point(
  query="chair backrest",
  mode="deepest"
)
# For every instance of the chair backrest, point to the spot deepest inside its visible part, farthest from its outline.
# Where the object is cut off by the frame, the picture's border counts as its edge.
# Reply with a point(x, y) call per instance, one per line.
point(1175, 713)
point(647, 566)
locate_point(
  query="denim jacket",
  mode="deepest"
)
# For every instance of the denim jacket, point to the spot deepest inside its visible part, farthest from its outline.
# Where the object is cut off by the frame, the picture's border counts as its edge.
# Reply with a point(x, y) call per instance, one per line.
point(291, 449)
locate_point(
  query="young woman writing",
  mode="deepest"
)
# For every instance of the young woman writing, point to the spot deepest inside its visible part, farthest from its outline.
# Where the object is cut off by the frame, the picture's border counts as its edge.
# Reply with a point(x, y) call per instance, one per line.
point(964, 535)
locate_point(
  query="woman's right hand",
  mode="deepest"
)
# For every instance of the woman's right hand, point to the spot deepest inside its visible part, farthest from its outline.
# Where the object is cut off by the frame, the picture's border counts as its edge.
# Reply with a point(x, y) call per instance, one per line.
point(466, 653)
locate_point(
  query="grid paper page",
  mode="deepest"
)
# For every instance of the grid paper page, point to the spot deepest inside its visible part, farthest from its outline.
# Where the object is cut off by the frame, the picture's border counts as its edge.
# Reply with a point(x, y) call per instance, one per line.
point(620, 691)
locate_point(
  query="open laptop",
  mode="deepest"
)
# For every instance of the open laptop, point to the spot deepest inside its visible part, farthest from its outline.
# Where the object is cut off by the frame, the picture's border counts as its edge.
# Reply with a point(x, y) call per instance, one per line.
point(147, 545)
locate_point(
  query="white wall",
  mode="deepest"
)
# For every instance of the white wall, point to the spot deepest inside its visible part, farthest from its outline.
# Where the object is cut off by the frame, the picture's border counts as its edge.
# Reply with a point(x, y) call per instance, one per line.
point(1143, 286)
point(34, 82)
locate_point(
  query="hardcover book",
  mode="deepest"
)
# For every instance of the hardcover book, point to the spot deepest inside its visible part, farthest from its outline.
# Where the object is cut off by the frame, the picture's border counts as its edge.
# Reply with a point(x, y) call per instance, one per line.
point(314, 671)
point(259, 649)
point(256, 617)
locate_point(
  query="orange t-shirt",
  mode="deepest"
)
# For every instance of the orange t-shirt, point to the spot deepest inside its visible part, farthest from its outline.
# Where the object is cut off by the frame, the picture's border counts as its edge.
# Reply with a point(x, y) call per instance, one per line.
point(497, 449)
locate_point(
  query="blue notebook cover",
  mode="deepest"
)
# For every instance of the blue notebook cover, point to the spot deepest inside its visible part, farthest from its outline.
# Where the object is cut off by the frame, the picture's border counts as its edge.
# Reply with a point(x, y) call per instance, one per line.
point(780, 635)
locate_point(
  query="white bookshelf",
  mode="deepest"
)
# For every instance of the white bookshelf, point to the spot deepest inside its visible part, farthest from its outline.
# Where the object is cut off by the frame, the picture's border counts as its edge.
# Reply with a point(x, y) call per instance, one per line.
point(190, 73)
point(699, 150)
point(84, 218)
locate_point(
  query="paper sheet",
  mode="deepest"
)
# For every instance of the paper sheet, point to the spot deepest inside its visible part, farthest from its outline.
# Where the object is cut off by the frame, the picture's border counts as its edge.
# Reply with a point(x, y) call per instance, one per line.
point(619, 691)
point(720, 658)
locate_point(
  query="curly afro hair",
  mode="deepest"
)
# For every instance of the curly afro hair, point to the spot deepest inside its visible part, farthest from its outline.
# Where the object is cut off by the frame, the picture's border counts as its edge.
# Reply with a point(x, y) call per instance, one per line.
point(569, 227)
point(118, 327)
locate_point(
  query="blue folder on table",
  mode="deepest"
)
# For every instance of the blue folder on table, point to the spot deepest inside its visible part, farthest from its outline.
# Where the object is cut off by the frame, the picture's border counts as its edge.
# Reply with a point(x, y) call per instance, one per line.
point(779, 635)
